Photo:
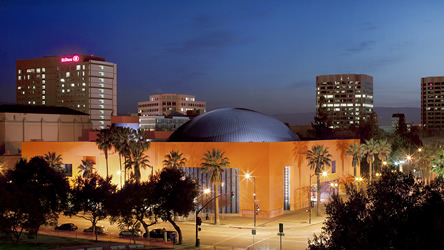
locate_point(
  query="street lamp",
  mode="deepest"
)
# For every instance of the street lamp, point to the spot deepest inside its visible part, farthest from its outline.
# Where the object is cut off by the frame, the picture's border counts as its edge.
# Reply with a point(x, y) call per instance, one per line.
point(248, 176)
point(334, 186)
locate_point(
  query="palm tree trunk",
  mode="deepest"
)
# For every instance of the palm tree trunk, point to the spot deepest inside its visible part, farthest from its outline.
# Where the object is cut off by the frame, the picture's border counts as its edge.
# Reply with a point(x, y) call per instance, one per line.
point(106, 159)
point(370, 170)
point(354, 173)
point(216, 205)
point(318, 196)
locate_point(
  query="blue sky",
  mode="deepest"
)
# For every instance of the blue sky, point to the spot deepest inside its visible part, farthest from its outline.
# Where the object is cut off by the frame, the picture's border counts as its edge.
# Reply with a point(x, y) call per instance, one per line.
point(262, 55)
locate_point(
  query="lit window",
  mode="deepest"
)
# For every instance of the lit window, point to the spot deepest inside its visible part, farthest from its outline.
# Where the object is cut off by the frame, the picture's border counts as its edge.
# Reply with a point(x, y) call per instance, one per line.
point(63, 85)
point(19, 71)
point(38, 70)
point(19, 87)
point(29, 102)
point(101, 79)
point(101, 67)
point(78, 105)
point(83, 67)
point(30, 70)
point(20, 77)
point(102, 74)
point(68, 74)
point(43, 87)
point(43, 69)
point(83, 73)
point(33, 102)
point(43, 92)
point(43, 81)
point(43, 76)
point(83, 89)
point(68, 90)
point(73, 85)
point(43, 102)
point(62, 80)
point(43, 97)
point(29, 77)
point(63, 91)
point(23, 92)
point(78, 67)
point(83, 84)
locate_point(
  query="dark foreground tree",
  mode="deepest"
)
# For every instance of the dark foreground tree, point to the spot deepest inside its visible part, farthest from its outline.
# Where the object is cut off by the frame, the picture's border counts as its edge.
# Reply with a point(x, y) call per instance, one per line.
point(31, 195)
point(131, 206)
point(90, 197)
point(396, 213)
point(175, 194)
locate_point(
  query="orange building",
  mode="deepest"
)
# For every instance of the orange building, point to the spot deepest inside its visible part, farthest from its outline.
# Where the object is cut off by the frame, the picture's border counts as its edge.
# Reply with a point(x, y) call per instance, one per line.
point(279, 167)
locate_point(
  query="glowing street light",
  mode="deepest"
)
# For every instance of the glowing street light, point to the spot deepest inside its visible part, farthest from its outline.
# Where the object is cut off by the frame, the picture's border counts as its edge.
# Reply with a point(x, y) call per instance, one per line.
point(324, 173)
point(206, 191)
point(255, 208)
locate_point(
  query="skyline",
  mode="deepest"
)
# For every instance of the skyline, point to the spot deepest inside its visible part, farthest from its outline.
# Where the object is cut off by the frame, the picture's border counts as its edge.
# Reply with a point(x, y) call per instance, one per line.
point(259, 55)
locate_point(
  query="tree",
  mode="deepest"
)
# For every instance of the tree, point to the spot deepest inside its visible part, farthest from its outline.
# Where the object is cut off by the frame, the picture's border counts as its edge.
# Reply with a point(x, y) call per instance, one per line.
point(54, 161)
point(91, 198)
point(31, 195)
point(120, 139)
point(322, 124)
point(384, 150)
point(86, 168)
point(137, 147)
point(438, 165)
point(353, 151)
point(318, 157)
point(175, 194)
point(132, 204)
point(174, 159)
point(397, 212)
point(214, 163)
point(104, 143)
point(369, 149)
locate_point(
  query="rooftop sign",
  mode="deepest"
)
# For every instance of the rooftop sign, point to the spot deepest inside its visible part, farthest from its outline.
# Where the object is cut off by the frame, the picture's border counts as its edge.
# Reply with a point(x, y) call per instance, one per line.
point(75, 58)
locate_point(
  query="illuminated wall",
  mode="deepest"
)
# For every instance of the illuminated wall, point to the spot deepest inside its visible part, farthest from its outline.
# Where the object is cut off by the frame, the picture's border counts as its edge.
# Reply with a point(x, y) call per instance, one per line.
point(264, 160)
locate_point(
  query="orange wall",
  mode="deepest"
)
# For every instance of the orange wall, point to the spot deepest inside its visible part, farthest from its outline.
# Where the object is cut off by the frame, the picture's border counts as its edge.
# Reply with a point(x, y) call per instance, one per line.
point(265, 161)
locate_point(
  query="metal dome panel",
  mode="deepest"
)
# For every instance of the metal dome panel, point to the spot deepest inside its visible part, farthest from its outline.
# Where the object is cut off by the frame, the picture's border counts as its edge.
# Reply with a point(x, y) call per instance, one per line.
point(233, 125)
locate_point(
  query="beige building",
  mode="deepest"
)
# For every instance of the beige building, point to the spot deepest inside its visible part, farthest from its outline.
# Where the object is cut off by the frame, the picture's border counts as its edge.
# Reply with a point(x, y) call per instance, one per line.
point(164, 104)
point(81, 82)
point(347, 99)
point(19, 123)
point(432, 102)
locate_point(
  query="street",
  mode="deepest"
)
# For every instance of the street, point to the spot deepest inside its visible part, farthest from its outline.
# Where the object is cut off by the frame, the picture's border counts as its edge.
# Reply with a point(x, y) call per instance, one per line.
point(234, 231)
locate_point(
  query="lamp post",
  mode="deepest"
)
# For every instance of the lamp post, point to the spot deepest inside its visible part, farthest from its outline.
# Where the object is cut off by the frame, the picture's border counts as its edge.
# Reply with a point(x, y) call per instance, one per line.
point(309, 200)
point(248, 176)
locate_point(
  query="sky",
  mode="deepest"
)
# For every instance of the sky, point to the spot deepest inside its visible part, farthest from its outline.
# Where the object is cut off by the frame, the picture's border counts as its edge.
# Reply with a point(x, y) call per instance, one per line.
point(261, 55)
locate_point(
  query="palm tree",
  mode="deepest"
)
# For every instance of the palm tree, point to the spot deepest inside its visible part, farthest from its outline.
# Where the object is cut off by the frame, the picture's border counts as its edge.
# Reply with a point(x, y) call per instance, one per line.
point(370, 149)
point(137, 147)
point(104, 143)
point(54, 161)
point(120, 143)
point(353, 151)
point(384, 150)
point(318, 157)
point(214, 163)
point(86, 168)
point(174, 160)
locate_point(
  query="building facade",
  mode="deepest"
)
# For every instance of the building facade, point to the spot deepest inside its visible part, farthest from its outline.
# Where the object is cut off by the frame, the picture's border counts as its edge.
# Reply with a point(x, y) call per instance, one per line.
point(162, 123)
point(346, 99)
point(81, 82)
point(432, 102)
point(19, 123)
point(163, 104)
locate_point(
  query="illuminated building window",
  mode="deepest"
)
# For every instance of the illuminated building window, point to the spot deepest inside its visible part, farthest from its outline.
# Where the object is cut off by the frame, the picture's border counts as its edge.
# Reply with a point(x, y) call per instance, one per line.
point(19, 71)
point(62, 80)
point(43, 92)
point(63, 91)
point(29, 77)
point(43, 70)
point(19, 87)
point(101, 79)
point(83, 73)
point(43, 97)
point(68, 74)
point(101, 67)
point(83, 84)
point(73, 84)
point(43, 76)
point(102, 74)
point(38, 70)
point(43, 102)
point(78, 67)
point(43, 87)
point(83, 89)
point(83, 67)
point(20, 77)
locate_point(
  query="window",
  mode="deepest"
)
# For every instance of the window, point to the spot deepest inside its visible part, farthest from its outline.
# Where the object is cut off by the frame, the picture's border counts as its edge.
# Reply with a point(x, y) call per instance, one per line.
point(102, 74)
point(73, 84)
point(83, 67)
point(68, 74)
point(38, 70)
point(78, 67)
point(43, 76)
point(43, 70)
point(20, 77)
point(62, 80)
point(19, 71)
point(67, 170)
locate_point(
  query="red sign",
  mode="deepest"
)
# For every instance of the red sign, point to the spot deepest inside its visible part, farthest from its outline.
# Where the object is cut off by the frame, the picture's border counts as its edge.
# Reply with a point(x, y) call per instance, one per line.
point(75, 58)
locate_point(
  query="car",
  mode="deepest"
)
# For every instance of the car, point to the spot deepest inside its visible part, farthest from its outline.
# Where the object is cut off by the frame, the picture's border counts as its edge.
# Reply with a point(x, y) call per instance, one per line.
point(99, 229)
point(159, 233)
point(67, 227)
point(137, 233)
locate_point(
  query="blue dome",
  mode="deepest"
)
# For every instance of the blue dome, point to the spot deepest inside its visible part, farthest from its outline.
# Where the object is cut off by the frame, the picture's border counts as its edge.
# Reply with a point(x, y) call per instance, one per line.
point(233, 125)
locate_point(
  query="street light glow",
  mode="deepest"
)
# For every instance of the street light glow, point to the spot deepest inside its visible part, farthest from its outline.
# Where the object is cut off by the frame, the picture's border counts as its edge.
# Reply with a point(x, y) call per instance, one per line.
point(247, 175)
point(324, 173)
point(207, 191)
point(118, 172)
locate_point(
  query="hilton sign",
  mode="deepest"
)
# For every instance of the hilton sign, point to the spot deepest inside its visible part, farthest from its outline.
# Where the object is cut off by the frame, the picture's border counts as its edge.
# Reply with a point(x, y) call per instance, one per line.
point(75, 58)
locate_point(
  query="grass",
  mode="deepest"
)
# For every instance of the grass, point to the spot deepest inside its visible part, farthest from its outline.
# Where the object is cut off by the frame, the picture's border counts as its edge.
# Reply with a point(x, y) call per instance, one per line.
point(44, 242)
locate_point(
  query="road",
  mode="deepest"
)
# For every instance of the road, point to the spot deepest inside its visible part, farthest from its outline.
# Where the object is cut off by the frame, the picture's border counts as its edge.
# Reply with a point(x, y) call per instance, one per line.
point(235, 231)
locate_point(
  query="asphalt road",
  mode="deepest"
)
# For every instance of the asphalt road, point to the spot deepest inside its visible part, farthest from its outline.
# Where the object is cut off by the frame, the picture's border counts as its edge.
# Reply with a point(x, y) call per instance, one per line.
point(234, 231)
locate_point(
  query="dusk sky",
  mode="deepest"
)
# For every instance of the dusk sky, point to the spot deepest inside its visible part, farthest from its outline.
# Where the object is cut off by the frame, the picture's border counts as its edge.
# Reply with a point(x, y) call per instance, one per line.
point(262, 55)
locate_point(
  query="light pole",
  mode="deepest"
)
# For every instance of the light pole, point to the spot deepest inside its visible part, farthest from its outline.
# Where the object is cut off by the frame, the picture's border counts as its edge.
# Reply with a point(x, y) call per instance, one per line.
point(248, 176)
point(309, 200)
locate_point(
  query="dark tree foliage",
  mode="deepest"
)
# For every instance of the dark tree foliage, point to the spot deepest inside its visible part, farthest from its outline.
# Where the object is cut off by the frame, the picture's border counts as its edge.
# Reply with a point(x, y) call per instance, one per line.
point(322, 123)
point(31, 195)
point(90, 199)
point(397, 212)
point(175, 194)
point(132, 205)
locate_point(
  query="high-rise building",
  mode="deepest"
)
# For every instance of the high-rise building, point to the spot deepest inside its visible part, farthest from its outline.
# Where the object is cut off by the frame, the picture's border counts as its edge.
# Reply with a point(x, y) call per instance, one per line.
point(347, 99)
point(80, 82)
point(432, 102)
point(164, 104)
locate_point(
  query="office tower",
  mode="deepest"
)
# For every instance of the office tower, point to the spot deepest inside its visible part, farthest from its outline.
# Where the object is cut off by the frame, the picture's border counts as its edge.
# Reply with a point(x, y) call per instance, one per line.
point(164, 104)
point(347, 99)
point(80, 82)
point(432, 102)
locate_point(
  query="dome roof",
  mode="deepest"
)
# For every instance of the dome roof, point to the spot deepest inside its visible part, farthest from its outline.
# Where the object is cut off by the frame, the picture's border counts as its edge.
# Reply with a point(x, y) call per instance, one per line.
point(233, 125)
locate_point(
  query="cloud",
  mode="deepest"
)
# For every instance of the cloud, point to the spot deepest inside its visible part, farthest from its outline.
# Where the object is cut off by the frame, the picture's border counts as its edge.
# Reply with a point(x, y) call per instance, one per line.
point(362, 46)
point(213, 41)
